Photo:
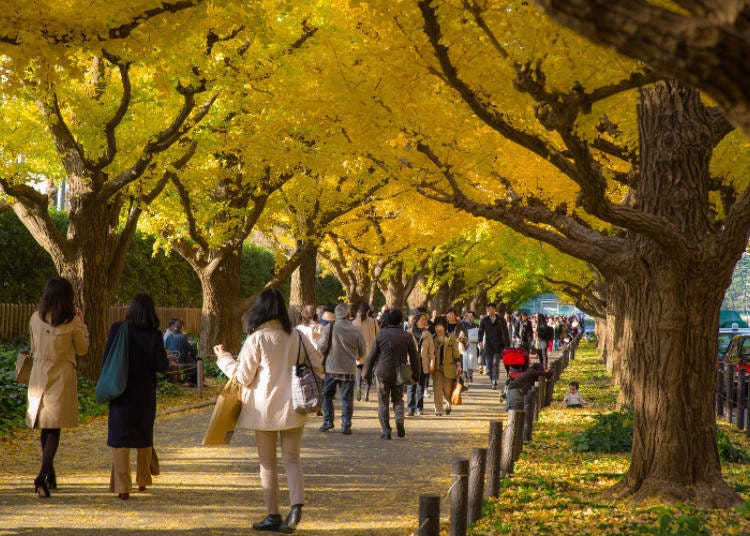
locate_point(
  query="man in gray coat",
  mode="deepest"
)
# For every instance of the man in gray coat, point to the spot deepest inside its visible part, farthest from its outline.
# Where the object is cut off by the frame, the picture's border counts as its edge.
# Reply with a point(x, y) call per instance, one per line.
point(341, 343)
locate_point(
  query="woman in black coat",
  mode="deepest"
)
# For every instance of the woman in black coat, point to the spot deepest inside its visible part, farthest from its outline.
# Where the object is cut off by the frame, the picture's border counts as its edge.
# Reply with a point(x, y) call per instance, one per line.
point(132, 414)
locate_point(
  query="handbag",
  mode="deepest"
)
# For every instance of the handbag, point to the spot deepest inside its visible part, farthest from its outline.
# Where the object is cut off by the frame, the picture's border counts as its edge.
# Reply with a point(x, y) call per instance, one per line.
point(226, 413)
point(24, 362)
point(403, 374)
point(306, 386)
point(456, 395)
point(113, 379)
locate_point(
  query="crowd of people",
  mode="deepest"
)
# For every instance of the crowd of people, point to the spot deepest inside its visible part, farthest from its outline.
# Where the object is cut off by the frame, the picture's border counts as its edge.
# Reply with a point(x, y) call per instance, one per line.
point(352, 350)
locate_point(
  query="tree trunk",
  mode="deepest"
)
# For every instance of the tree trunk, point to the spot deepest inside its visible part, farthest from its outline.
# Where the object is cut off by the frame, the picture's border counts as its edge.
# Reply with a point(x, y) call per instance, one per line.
point(671, 311)
point(220, 314)
point(303, 281)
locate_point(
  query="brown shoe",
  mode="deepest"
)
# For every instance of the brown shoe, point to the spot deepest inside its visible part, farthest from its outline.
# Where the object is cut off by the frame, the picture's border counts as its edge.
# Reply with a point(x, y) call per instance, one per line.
point(141, 488)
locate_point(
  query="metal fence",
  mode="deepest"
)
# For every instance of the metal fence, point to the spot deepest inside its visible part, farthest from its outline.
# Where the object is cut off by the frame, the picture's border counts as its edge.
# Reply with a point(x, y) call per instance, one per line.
point(14, 318)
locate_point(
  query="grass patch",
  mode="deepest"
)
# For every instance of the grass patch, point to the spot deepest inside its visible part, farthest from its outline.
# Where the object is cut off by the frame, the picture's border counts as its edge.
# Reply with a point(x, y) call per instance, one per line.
point(556, 490)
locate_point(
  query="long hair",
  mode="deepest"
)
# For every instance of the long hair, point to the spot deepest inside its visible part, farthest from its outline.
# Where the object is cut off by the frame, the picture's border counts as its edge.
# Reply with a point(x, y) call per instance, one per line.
point(57, 302)
point(268, 306)
point(363, 311)
point(142, 312)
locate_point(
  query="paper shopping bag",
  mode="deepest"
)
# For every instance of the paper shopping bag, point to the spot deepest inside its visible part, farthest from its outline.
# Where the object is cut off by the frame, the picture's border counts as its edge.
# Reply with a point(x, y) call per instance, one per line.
point(225, 415)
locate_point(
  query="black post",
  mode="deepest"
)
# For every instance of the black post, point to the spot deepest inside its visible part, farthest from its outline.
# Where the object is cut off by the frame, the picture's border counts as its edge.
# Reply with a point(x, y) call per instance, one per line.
point(459, 493)
point(728, 390)
point(476, 484)
point(429, 515)
point(494, 452)
point(742, 386)
point(719, 389)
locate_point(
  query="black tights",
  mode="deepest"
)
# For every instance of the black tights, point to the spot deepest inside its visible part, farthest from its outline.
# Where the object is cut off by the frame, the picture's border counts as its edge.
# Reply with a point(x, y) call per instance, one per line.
point(50, 440)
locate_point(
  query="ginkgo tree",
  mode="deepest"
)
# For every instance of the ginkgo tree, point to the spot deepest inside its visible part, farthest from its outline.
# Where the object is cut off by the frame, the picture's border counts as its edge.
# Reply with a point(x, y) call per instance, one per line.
point(561, 154)
point(85, 102)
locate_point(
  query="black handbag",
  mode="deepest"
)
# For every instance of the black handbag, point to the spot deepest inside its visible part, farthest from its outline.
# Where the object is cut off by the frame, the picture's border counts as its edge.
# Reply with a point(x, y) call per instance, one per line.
point(403, 374)
point(306, 386)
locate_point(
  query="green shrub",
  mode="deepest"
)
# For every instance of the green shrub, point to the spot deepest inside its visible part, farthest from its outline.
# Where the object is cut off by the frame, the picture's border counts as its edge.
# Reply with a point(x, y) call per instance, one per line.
point(611, 432)
point(728, 451)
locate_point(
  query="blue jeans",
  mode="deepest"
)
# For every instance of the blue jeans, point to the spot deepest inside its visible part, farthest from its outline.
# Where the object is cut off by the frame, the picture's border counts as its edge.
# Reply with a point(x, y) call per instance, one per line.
point(347, 400)
point(415, 394)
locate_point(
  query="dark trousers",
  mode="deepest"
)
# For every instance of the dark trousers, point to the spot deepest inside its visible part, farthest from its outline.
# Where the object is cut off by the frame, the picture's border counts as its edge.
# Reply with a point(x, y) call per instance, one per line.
point(493, 363)
point(390, 393)
point(415, 393)
point(347, 400)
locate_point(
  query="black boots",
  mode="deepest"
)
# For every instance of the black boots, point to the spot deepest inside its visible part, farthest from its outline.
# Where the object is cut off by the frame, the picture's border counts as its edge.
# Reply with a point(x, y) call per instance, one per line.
point(41, 488)
point(292, 520)
point(271, 522)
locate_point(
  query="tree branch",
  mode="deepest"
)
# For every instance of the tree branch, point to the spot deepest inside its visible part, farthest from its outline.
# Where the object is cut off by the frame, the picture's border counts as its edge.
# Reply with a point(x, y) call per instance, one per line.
point(112, 124)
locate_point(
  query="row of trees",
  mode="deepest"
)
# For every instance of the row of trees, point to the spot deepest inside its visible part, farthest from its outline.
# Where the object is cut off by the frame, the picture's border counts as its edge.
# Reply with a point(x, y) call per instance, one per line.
point(402, 142)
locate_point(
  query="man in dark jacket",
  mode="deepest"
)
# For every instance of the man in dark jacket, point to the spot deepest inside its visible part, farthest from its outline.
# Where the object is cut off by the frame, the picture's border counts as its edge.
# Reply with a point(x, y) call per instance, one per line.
point(494, 338)
point(178, 344)
point(393, 347)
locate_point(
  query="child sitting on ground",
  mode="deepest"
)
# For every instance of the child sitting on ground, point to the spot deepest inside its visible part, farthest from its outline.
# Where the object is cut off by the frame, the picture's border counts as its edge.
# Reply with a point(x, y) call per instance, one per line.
point(573, 398)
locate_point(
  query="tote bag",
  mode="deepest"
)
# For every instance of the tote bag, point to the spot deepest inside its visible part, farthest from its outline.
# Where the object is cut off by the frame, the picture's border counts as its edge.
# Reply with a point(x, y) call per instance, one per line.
point(114, 376)
point(403, 374)
point(306, 387)
point(225, 415)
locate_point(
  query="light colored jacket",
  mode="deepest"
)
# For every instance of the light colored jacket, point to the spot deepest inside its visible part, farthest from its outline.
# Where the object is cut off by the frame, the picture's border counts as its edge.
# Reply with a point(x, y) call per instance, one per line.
point(369, 329)
point(264, 369)
point(426, 344)
point(347, 347)
point(53, 385)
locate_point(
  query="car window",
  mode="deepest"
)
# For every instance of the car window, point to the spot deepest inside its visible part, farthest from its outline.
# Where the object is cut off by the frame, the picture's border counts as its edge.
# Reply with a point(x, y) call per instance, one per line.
point(745, 350)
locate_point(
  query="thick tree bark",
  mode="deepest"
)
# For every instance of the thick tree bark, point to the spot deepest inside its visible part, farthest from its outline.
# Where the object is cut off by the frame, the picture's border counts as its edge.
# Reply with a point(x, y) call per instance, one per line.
point(220, 313)
point(671, 308)
point(303, 281)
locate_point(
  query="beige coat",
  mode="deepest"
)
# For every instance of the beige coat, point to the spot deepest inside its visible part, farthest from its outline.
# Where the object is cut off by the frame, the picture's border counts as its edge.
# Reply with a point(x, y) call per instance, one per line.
point(264, 369)
point(53, 385)
point(427, 351)
point(369, 329)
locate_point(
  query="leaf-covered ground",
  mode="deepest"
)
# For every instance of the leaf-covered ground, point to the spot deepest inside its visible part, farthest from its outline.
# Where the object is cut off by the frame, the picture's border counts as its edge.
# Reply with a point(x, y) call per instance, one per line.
point(354, 485)
point(557, 491)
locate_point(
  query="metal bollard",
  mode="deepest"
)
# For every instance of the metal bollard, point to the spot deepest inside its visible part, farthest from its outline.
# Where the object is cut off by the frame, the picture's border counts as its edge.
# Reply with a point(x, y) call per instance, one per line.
point(459, 493)
point(199, 374)
point(476, 484)
point(494, 452)
point(429, 515)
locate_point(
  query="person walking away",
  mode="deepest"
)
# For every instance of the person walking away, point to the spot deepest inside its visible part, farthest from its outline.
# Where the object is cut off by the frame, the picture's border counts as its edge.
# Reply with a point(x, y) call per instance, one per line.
point(525, 331)
point(573, 398)
point(264, 369)
point(544, 334)
point(447, 366)
point(493, 337)
point(426, 350)
point(393, 346)
point(519, 386)
point(369, 328)
point(347, 346)
point(309, 326)
point(57, 335)
point(130, 423)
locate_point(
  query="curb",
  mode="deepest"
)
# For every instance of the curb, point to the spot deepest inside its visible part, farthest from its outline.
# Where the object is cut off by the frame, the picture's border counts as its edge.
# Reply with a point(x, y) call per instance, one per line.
point(197, 405)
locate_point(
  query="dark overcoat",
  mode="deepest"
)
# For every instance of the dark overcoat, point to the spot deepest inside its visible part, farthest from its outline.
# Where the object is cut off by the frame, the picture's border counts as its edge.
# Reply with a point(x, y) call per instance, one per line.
point(132, 414)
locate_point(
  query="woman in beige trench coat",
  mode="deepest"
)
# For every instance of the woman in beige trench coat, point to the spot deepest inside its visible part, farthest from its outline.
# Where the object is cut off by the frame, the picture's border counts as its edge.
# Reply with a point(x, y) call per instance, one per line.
point(58, 334)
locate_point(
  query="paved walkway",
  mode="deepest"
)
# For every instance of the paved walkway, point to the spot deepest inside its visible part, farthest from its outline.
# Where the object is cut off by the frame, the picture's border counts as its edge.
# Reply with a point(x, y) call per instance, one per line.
point(354, 485)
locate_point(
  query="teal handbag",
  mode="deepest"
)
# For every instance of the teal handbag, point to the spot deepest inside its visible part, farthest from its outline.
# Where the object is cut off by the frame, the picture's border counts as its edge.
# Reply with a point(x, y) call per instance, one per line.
point(114, 376)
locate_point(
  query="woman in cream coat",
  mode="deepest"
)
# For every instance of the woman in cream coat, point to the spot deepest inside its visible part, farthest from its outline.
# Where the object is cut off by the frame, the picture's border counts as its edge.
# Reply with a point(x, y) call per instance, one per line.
point(264, 369)
point(58, 335)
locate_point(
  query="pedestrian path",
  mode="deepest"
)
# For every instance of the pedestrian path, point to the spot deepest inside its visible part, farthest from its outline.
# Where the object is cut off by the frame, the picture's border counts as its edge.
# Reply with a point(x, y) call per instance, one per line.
point(355, 485)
